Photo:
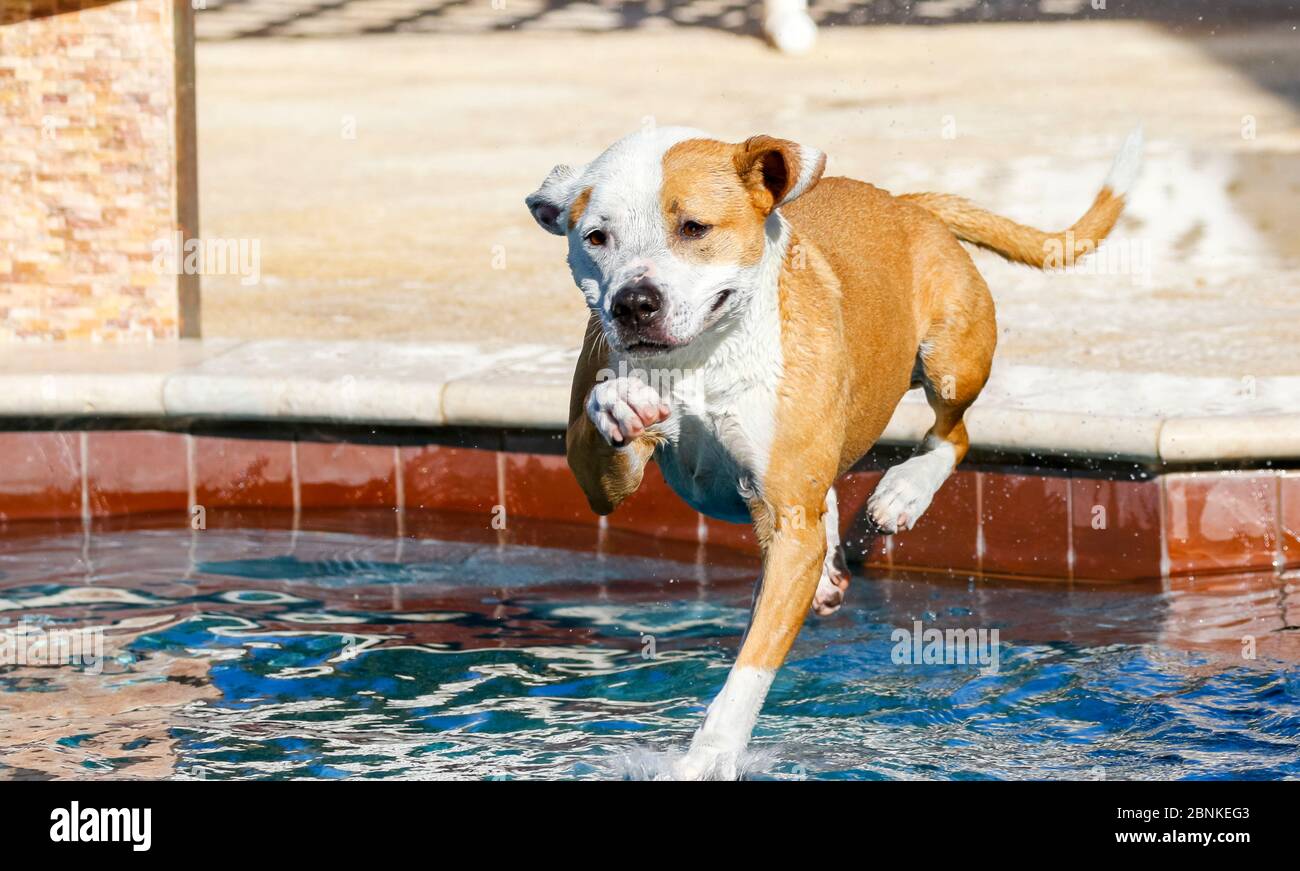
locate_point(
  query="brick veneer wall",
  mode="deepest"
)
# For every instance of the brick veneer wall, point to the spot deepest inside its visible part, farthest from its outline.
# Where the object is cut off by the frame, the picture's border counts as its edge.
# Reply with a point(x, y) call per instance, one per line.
point(96, 164)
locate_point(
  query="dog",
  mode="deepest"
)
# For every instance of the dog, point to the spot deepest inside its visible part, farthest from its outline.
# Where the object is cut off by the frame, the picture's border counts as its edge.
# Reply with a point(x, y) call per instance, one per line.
point(793, 312)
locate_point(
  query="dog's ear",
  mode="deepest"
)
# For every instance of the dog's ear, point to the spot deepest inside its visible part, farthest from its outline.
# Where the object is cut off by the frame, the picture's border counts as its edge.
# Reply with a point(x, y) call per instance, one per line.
point(550, 202)
point(776, 171)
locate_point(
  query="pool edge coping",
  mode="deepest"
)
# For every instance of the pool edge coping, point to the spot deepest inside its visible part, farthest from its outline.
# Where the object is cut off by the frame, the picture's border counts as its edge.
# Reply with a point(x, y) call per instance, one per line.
point(449, 384)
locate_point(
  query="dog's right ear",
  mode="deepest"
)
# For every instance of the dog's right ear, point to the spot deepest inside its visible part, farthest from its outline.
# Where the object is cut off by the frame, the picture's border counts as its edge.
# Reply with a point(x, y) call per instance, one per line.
point(550, 202)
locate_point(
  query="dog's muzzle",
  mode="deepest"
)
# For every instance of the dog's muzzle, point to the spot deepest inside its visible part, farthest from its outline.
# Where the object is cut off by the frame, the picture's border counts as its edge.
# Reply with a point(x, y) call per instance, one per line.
point(638, 312)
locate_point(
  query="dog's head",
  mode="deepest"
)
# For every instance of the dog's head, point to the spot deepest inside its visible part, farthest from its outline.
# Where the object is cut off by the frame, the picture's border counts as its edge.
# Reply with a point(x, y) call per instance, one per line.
point(667, 229)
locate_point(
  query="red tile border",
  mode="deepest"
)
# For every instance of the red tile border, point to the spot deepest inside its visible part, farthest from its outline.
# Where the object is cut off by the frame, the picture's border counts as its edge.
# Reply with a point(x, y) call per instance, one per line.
point(654, 509)
point(541, 486)
point(946, 538)
point(852, 492)
point(345, 474)
point(861, 542)
point(1289, 517)
point(1000, 521)
point(243, 473)
point(734, 536)
point(1115, 528)
point(1225, 521)
point(118, 482)
point(450, 479)
point(40, 475)
point(1025, 524)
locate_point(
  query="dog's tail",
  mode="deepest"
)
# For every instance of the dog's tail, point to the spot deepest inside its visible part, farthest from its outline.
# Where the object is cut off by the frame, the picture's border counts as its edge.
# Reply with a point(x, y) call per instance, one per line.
point(1022, 244)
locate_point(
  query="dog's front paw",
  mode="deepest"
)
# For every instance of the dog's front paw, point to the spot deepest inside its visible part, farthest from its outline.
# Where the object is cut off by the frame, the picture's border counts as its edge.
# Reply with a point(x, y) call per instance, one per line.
point(622, 408)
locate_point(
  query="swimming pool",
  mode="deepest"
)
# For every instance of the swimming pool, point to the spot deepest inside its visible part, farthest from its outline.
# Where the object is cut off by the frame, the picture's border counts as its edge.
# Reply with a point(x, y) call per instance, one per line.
point(342, 650)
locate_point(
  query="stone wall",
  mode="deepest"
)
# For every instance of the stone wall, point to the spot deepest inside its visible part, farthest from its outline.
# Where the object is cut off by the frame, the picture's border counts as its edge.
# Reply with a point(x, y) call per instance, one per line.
point(96, 166)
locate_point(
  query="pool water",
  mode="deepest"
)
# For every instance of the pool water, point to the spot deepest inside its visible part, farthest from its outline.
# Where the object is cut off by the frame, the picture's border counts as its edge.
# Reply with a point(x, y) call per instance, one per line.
point(461, 653)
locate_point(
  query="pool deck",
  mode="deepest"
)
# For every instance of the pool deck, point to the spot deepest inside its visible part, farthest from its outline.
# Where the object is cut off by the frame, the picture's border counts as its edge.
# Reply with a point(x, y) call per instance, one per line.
point(411, 227)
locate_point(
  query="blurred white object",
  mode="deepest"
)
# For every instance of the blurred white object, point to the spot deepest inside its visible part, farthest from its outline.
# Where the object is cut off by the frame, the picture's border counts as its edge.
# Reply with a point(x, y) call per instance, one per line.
point(789, 26)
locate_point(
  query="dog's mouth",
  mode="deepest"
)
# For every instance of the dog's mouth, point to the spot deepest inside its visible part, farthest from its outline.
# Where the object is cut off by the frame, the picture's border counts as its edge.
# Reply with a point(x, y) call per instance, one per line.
point(721, 299)
point(646, 347)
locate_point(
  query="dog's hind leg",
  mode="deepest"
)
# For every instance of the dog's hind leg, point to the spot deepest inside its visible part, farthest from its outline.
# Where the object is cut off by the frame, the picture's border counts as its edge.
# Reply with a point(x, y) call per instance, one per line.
point(953, 365)
point(834, 583)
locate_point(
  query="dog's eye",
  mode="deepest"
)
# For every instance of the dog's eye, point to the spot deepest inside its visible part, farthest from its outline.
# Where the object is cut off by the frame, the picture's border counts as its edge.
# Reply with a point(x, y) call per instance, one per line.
point(595, 238)
point(694, 229)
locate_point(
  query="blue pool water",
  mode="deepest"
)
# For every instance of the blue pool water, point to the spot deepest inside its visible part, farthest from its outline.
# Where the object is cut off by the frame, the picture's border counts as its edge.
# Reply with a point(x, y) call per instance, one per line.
point(278, 654)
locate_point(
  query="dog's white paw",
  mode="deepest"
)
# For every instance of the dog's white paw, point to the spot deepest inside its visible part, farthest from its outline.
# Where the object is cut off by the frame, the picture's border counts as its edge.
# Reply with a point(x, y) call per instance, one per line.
point(791, 31)
point(622, 408)
point(900, 498)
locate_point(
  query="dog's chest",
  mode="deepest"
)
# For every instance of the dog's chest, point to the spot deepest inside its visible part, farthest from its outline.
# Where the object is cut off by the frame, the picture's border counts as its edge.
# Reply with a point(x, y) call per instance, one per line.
point(719, 437)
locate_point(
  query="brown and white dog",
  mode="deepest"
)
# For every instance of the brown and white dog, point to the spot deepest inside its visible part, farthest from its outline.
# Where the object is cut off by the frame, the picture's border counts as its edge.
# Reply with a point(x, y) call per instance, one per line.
point(753, 326)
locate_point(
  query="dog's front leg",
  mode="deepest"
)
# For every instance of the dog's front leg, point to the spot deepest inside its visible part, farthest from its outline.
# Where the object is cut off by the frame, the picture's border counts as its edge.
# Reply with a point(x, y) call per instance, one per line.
point(608, 441)
point(792, 565)
point(607, 474)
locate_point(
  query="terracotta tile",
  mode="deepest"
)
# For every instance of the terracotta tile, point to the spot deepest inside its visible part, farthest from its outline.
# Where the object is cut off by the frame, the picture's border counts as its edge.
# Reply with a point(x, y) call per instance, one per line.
point(733, 536)
point(946, 537)
point(542, 486)
point(40, 475)
point(450, 479)
point(861, 542)
point(340, 474)
point(1289, 514)
point(631, 543)
point(354, 519)
point(1025, 521)
point(254, 518)
point(1221, 521)
point(583, 538)
point(853, 490)
point(245, 473)
point(655, 510)
point(136, 472)
point(450, 525)
point(1116, 528)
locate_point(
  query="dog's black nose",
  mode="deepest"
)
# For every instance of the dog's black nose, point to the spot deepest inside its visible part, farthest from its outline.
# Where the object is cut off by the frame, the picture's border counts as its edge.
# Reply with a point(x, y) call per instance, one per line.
point(636, 304)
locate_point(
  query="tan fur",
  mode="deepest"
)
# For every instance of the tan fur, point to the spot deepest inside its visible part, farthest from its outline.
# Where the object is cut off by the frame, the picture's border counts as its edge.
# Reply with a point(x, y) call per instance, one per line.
point(1016, 241)
point(701, 185)
point(579, 206)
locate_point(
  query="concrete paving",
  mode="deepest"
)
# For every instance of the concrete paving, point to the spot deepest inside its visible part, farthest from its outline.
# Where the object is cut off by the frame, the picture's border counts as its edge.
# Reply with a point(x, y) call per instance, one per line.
point(383, 174)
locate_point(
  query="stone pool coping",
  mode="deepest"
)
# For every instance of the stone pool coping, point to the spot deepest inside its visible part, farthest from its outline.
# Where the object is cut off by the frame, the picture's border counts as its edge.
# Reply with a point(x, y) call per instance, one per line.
point(1151, 418)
